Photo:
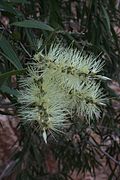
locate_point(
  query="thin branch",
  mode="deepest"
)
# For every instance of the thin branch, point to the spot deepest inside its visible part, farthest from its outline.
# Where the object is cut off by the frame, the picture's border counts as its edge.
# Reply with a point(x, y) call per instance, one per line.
point(105, 153)
point(25, 50)
point(110, 157)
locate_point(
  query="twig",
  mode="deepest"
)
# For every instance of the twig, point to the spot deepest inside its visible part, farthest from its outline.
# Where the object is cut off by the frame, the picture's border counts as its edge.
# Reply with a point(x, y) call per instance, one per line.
point(109, 156)
point(105, 153)
point(25, 50)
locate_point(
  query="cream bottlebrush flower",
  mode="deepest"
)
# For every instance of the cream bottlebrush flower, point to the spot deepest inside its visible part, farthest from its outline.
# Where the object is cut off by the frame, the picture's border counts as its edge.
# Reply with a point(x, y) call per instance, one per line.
point(73, 60)
point(75, 73)
point(60, 82)
point(71, 67)
point(42, 102)
point(87, 100)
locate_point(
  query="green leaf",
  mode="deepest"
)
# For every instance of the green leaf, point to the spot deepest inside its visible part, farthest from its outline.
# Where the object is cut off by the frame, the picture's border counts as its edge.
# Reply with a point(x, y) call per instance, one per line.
point(9, 53)
point(8, 90)
point(33, 24)
point(115, 37)
point(31, 38)
point(14, 72)
point(18, 1)
point(55, 14)
point(105, 14)
point(4, 6)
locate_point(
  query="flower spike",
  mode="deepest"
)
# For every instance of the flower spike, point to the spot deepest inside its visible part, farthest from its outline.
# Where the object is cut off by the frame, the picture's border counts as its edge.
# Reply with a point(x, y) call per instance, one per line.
point(60, 83)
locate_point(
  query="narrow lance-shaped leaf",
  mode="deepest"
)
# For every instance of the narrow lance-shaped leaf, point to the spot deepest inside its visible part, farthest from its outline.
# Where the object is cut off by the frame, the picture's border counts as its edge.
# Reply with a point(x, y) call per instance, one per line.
point(7, 7)
point(9, 52)
point(33, 24)
point(19, 1)
point(8, 90)
point(10, 73)
point(106, 17)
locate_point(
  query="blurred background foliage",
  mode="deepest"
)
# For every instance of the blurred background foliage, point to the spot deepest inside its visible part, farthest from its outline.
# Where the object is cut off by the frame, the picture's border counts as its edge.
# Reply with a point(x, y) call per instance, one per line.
point(89, 24)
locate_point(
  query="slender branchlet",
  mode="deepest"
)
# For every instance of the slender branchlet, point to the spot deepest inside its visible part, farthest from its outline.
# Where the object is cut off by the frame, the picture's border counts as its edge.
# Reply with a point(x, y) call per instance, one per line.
point(59, 83)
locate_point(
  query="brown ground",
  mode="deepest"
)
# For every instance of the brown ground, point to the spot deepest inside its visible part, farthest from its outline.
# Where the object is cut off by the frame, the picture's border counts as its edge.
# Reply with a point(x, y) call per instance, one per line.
point(8, 139)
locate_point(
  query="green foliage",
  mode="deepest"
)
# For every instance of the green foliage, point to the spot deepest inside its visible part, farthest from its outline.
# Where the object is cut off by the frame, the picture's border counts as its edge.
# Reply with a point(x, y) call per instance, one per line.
point(9, 52)
point(33, 24)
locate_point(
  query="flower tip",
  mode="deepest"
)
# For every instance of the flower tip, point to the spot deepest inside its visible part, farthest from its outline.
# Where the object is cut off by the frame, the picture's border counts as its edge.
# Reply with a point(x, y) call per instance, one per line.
point(104, 78)
point(102, 104)
point(45, 136)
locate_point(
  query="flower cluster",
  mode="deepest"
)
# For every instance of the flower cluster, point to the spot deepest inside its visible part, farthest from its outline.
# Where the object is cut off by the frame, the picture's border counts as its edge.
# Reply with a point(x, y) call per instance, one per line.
point(60, 83)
